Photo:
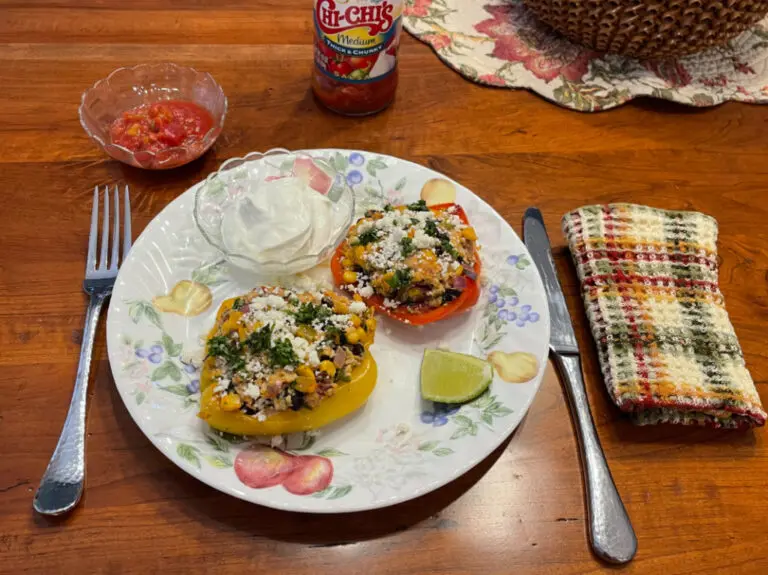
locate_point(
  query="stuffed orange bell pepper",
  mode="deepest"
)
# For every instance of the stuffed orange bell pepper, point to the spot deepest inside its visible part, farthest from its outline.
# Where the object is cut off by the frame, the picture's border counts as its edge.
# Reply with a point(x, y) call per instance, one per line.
point(280, 361)
point(414, 263)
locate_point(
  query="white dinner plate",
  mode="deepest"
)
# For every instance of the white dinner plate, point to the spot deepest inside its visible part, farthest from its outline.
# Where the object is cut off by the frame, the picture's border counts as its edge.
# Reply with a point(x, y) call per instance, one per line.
point(397, 446)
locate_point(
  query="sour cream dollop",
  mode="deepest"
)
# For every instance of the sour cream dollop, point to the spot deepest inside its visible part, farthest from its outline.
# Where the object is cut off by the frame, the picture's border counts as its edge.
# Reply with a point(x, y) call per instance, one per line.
point(279, 220)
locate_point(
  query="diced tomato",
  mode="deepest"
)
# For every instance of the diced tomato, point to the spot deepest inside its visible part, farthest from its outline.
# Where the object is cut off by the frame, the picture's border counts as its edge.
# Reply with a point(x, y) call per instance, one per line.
point(162, 125)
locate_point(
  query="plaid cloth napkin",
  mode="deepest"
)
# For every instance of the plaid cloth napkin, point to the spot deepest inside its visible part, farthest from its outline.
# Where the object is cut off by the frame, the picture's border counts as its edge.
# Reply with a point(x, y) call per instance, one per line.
point(667, 349)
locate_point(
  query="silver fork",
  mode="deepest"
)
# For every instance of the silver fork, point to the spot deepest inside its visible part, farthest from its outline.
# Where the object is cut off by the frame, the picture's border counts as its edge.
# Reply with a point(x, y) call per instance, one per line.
point(62, 483)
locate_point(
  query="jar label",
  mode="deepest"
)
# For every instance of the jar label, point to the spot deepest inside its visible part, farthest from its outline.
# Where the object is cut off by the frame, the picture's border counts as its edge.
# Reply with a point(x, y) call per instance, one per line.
point(356, 40)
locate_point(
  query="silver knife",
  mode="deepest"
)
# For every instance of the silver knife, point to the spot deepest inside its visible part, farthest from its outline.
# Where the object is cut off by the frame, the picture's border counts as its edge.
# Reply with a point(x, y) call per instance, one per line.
point(610, 530)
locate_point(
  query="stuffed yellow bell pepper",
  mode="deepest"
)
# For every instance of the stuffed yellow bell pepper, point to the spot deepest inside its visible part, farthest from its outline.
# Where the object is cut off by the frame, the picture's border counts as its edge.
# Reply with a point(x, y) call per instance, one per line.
point(281, 361)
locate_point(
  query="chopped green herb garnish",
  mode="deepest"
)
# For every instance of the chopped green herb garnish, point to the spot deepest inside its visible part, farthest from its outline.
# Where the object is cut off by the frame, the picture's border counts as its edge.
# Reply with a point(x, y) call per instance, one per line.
point(406, 246)
point(449, 249)
point(332, 332)
point(238, 304)
point(260, 340)
point(309, 312)
point(282, 354)
point(225, 348)
point(368, 236)
point(389, 208)
point(420, 206)
point(430, 228)
point(400, 279)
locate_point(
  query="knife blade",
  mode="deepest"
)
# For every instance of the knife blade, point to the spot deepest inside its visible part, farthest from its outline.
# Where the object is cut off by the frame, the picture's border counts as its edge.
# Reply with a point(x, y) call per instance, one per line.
point(562, 338)
point(610, 530)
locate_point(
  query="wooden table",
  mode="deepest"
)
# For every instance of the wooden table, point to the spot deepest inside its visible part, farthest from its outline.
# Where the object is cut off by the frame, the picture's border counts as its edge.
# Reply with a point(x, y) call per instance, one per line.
point(697, 497)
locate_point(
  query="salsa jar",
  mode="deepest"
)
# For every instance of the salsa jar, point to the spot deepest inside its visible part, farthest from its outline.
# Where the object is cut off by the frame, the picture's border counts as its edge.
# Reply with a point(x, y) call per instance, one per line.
point(356, 44)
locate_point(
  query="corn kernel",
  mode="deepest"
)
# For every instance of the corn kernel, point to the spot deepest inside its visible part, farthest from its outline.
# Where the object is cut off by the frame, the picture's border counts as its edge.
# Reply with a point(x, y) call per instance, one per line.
point(304, 370)
point(230, 402)
point(357, 253)
point(305, 380)
point(352, 336)
point(370, 324)
point(469, 233)
point(346, 262)
point(357, 297)
point(306, 332)
point(340, 306)
point(328, 367)
point(356, 321)
point(349, 277)
point(361, 335)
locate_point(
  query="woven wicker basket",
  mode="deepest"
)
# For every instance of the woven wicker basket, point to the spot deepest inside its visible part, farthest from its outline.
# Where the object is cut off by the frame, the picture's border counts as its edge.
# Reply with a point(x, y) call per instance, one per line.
point(649, 28)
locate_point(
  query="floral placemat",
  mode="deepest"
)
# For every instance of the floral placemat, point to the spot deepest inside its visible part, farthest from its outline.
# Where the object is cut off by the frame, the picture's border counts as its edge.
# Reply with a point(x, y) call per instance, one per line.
point(501, 43)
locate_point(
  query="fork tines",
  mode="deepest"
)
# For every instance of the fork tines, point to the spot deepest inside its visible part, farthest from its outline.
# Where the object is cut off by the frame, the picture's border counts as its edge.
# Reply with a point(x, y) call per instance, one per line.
point(104, 268)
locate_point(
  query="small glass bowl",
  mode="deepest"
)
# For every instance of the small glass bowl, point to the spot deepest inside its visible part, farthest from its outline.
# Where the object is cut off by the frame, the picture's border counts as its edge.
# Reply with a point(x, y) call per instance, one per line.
point(220, 190)
point(126, 88)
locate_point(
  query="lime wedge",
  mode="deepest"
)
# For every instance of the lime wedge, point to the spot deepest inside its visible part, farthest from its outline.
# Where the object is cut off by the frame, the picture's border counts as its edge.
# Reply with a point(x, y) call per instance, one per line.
point(448, 377)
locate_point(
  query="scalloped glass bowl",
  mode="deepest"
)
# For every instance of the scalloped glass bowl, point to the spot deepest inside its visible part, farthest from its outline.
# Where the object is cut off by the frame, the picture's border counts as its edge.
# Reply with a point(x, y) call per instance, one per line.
point(126, 88)
point(220, 190)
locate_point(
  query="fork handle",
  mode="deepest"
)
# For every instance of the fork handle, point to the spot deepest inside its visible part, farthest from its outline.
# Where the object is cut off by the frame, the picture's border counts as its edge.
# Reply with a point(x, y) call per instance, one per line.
point(62, 483)
point(610, 529)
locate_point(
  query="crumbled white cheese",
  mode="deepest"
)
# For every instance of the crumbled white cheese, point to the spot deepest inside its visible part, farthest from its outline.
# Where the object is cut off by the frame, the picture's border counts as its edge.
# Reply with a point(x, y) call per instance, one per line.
point(252, 390)
point(366, 291)
point(314, 358)
point(357, 307)
point(390, 303)
point(275, 301)
point(423, 241)
point(222, 385)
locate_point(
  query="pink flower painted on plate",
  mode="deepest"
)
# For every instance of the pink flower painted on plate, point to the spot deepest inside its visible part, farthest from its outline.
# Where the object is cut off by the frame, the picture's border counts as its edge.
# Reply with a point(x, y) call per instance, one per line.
point(492, 80)
point(419, 8)
point(521, 38)
point(672, 71)
point(438, 41)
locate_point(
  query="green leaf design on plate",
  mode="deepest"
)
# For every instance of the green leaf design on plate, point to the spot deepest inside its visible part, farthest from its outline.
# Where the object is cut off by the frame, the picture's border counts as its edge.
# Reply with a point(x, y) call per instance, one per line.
point(375, 164)
point(189, 453)
point(168, 369)
point(231, 438)
point(483, 401)
point(323, 492)
point(330, 452)
point(171, 348)
point(460, 432)
point(217, 442)
point(178, 389)
point(140, 397)
point(443, 451)
point(339, 162)
point(142, 308)
point(487, 418)
point(209, 274)
point(152, 315)
point(498, 410)
point(507, 291)
point(340, 492)
point(428, 445)
point(400, 184)
point(219, 461)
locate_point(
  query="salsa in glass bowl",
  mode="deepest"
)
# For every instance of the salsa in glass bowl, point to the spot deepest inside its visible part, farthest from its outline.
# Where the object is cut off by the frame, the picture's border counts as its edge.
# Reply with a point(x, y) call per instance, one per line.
point(154, 116)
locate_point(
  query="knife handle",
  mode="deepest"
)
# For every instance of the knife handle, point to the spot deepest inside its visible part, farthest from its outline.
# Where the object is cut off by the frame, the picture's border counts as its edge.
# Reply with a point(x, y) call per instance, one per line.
point(610, 530)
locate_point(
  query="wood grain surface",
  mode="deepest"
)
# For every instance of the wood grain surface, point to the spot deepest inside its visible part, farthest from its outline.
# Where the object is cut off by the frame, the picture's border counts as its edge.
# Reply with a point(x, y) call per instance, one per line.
point(696, 497)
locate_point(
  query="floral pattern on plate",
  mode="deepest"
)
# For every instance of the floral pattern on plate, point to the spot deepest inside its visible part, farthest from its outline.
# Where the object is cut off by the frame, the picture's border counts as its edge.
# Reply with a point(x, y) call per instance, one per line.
point(385, 453)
